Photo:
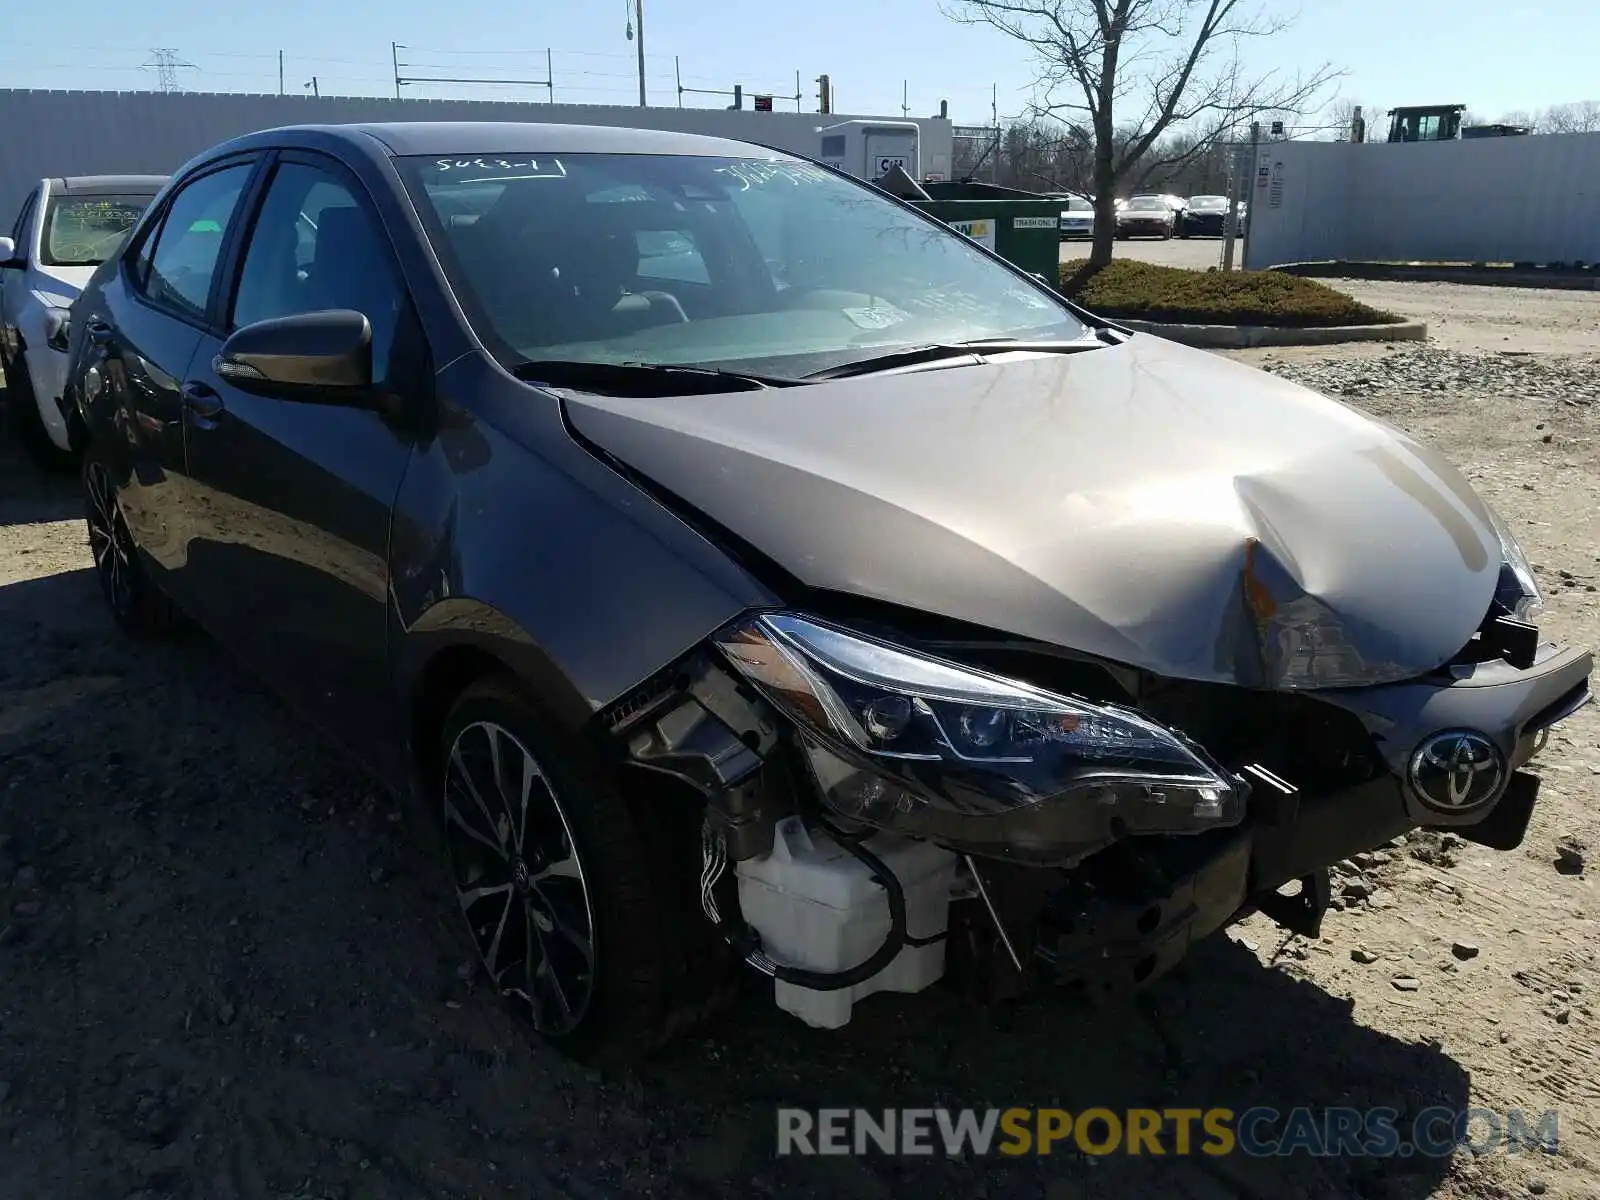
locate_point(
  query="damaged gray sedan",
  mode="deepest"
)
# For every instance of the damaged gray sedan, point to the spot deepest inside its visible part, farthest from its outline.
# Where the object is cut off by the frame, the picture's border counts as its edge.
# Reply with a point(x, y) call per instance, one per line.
point(739, 567)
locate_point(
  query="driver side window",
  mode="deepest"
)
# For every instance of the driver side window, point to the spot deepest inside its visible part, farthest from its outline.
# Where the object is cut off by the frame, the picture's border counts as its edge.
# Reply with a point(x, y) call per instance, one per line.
point(316, 246)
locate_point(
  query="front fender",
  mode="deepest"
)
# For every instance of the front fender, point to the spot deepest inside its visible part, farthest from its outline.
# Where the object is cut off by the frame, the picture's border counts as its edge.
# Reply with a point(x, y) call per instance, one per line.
point(512, 539)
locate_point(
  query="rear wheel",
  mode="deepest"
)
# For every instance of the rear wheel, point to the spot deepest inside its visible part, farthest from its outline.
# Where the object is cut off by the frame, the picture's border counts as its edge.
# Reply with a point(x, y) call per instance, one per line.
point(562, 897)
point(136, 605)
point(22, 413)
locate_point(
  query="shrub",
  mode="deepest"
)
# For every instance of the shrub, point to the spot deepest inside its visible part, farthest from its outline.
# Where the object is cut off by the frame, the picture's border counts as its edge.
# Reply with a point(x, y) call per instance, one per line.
point(1147, 292)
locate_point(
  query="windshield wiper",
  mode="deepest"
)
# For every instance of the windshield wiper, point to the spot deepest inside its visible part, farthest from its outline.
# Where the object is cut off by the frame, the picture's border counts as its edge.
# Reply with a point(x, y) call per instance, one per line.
point(973, 351)
point(641, 378)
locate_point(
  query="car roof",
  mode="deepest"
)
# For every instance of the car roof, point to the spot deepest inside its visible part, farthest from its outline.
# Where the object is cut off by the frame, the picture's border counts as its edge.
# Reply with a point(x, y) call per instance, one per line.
point(401, 138)
point(100, 185)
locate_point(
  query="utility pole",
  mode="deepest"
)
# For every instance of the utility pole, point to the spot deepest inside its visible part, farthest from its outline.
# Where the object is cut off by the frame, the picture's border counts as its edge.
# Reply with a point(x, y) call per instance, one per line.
point(312, 84)
point(394, 59)
point(280, 72)
point(638, 19)
point(905, 95)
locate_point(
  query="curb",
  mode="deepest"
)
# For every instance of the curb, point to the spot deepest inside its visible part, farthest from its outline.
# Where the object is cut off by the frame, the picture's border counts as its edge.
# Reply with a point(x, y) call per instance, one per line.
point(1245, 337)
point(1560, 278)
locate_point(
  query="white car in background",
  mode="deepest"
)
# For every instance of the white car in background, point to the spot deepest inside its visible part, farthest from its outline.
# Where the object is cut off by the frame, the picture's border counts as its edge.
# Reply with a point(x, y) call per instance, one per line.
point(65, 229)
point(1077, 219)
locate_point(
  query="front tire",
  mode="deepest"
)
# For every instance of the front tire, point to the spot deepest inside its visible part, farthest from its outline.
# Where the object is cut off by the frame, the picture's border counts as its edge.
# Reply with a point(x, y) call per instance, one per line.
point(556, 880)
point(137, 605)
point(22, 411)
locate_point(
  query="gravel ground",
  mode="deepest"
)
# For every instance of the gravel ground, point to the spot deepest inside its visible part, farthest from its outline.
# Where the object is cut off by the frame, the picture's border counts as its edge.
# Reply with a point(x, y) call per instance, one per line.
point(226, 971)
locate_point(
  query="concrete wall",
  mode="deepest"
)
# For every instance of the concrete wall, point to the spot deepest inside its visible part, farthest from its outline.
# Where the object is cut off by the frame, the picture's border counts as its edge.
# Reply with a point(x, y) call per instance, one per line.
point(49, 133)
point(1507, 199)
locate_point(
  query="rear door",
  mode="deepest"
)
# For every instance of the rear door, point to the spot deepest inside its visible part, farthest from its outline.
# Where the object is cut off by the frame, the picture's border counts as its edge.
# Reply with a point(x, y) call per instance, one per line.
point(140, 333)
point(290, 502)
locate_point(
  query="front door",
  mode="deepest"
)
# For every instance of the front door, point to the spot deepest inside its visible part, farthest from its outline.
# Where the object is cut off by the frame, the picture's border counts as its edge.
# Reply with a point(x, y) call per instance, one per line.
point(290, 500)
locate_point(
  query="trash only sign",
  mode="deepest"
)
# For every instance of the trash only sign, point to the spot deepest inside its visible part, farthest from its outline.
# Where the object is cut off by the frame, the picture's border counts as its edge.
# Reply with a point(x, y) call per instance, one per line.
point(981, 232)
point(1036, 222)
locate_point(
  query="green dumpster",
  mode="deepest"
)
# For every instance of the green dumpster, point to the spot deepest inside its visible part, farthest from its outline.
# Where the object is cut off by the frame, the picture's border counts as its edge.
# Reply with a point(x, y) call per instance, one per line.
point(1021, 227)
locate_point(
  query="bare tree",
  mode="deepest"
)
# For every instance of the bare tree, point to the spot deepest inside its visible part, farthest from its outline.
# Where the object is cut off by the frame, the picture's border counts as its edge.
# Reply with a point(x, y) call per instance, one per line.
point(1134, 70)
point(1582, 117)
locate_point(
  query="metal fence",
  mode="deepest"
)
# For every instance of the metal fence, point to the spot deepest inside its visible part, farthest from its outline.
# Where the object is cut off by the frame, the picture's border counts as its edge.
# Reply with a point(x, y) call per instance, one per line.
point(1503, 199)
point(49, 133)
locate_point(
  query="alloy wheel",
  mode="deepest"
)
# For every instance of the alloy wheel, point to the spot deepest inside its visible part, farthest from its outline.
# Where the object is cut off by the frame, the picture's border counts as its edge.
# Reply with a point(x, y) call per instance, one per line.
point(109, 539)
point(518, 877)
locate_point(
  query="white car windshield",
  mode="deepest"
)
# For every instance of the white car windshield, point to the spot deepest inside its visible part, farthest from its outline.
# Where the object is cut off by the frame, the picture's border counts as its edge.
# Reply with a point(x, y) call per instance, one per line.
point(1147, 204)
point(1079, 206)
point(83, 231)
point(1208, 202)
point(765, 265)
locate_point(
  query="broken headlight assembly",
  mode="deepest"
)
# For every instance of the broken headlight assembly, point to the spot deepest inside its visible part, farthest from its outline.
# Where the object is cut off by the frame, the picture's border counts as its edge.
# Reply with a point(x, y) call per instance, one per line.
point(1516, 589)
point(931, 748)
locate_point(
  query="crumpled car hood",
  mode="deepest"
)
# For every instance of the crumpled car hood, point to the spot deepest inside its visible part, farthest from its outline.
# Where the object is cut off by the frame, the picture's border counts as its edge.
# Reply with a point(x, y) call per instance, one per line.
point(1154, 505)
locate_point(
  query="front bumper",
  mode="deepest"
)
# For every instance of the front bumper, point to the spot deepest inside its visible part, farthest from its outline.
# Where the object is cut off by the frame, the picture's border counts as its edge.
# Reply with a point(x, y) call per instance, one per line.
point(1126, 916)
point(1143, 228)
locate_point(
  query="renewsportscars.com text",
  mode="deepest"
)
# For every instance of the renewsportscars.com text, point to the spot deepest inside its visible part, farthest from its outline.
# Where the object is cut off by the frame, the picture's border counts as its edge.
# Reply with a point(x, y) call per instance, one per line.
point(1257, 1132)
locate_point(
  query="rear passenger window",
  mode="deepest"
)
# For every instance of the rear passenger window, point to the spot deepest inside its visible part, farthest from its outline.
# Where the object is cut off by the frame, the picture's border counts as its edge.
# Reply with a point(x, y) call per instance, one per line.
point(177, 263)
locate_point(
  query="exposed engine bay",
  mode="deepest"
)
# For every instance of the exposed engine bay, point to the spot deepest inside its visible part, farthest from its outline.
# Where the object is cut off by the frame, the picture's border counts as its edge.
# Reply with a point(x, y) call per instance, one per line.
point(881, 813)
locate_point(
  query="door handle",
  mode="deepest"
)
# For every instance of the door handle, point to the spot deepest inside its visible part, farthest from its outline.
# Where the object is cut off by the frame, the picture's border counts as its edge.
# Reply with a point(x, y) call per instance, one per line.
point(99, 332)
point(201, 399)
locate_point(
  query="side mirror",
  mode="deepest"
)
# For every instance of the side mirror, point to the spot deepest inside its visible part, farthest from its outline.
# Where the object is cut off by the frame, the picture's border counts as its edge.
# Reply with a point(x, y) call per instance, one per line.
point(8, 254)
point(323, 356)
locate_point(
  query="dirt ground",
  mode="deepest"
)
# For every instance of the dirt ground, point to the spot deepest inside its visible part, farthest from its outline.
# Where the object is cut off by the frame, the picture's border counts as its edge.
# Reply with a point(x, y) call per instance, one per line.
point(225, 971)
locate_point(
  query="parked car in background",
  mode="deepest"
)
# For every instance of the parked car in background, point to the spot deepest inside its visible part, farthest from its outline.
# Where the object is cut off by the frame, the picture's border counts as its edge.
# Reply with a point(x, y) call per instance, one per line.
point(64, 230)
point(1147, 216)
point(773, 612)
point(1204, 216)
point(1077, 218)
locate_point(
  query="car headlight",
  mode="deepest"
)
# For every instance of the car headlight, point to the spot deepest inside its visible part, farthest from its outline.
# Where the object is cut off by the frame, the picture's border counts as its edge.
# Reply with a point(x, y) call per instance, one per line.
point(899, 739)
point(1516, 589)
point(57, 329)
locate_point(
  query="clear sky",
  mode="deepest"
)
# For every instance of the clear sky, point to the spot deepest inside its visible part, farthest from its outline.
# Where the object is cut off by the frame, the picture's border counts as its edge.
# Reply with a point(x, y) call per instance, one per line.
point(1492, 56)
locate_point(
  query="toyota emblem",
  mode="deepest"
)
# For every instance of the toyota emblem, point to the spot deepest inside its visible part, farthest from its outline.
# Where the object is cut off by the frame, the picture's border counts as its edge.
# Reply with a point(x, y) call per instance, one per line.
point(1457, 770)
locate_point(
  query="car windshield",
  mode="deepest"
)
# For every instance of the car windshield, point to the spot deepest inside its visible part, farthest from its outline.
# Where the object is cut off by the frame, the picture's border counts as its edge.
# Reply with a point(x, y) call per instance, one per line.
point(1077, 204)
point(766, 265)
point(1208, 202)
point(83, 231)
point(1147, 203)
